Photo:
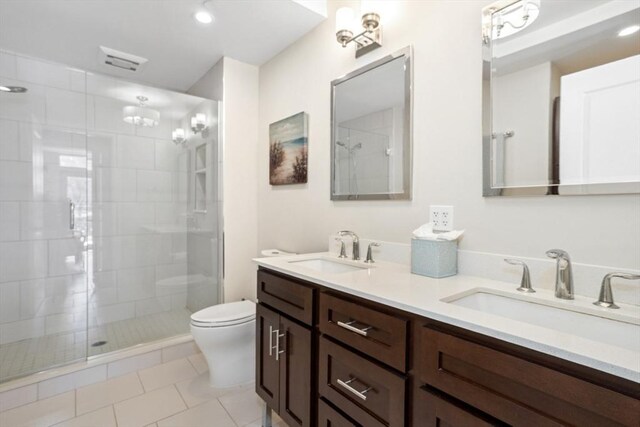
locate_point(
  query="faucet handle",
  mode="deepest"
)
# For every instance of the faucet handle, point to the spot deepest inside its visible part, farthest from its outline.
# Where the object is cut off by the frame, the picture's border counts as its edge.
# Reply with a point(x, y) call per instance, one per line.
point(369, 259)
point(525, 283)
point(605, 299)
point(343, 250)
point(558, 254)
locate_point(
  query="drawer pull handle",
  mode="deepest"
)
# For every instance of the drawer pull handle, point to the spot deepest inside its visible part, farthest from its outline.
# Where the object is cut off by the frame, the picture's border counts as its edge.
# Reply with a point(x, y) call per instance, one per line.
point(346, 386)
point(347, 326)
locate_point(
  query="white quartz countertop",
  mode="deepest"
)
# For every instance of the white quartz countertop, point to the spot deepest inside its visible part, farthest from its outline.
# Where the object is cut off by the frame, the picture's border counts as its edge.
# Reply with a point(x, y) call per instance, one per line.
point(393, 285)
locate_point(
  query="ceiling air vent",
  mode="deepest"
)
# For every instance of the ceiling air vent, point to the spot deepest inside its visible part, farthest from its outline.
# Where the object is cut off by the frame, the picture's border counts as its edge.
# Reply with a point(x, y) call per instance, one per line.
point(121, 60)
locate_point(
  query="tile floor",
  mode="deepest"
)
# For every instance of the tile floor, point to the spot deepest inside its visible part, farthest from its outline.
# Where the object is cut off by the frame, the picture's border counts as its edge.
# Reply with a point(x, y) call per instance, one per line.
point(173, 394)
point(35, 354)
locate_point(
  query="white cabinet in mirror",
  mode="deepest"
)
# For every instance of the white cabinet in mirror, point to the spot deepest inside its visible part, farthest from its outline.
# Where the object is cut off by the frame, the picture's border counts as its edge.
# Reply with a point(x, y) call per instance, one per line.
point(561, 97)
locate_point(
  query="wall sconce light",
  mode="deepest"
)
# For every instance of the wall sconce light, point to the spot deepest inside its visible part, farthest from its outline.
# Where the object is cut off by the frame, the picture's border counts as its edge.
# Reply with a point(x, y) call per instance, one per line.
point(510, 19)
point(199, 123)
point(178, 136)
point(365, 41)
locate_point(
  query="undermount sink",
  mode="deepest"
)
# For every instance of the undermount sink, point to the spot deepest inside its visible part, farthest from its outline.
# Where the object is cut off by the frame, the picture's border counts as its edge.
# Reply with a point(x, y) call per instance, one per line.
point(327, 266)
point(623, 331)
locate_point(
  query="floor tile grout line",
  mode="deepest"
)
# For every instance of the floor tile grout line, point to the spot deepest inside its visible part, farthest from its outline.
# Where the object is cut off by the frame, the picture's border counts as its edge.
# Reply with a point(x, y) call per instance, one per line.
point(115, 418)
point(227, 411)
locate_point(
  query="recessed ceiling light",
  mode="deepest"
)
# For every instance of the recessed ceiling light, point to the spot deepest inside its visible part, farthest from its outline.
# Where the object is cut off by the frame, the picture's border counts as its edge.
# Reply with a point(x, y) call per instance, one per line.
point(204, 17)
point(4, 89)
point(628, 31)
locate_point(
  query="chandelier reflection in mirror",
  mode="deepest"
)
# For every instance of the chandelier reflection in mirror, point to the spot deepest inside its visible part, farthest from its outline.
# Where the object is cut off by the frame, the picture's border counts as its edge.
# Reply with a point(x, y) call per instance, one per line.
point(141, 115)
point(512, 19)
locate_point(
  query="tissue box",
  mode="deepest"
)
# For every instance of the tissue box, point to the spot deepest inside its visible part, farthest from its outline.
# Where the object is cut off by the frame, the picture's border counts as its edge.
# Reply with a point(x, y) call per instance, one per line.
point(434, 258)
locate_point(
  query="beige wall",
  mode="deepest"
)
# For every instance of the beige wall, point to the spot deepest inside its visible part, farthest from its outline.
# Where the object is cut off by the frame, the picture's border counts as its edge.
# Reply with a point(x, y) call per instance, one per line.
point(447, 151)
point(236, 83)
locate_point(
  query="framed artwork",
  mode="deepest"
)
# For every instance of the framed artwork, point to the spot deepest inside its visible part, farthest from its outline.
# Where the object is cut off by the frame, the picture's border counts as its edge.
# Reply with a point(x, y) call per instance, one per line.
point(288, 150)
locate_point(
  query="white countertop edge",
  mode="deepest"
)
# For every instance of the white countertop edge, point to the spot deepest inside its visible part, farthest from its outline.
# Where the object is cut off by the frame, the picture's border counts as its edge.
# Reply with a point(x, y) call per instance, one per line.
point(624, 363)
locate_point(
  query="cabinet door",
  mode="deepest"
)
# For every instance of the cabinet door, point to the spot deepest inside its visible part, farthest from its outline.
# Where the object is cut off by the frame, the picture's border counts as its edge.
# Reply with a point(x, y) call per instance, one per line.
point(267, 365)
point(295, 374)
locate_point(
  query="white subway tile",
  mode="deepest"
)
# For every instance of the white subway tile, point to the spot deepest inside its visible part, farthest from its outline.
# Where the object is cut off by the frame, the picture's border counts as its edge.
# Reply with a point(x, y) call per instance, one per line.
point(9, 302)
point(179, 351)
point(135, 218)
point(135, 152)
point(23, 260)
point(114, 313)
point(167, 153)
point(102, 149)
point(18, 397)
point(45, 220)
point(28, 107)
point(152, 305)
point(16, 181)
point(66, 257)
point(108, 114)
point(71, 381)
point(136, 284)
point(154, 186)
point(9, 221)
point(21, 330)
point(135, 363)
point(114, 185)
point(44, 73)
point(105, 219)
point(8, 65)
point(10, 146)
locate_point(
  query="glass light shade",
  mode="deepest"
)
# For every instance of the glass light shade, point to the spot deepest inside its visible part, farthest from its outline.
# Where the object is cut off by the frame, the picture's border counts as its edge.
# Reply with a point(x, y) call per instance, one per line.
point(344, 19)
point(370, 6)
point(140, 116)
point(511, 19)
point(178, 134)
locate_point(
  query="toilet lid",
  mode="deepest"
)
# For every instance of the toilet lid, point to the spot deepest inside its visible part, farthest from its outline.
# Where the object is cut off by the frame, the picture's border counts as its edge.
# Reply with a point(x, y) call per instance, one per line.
point(232, 312)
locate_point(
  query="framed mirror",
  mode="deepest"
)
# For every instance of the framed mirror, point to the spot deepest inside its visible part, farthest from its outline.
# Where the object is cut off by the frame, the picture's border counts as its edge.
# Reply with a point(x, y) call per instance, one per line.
point(561, 97)
point(371, 111)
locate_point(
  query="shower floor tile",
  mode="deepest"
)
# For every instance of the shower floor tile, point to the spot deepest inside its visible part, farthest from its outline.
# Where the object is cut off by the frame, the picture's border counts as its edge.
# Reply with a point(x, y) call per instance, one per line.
point(36, 354)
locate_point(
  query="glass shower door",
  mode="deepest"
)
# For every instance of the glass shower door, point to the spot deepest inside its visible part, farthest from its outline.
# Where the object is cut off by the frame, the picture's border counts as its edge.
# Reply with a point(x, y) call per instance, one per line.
point(43, 217)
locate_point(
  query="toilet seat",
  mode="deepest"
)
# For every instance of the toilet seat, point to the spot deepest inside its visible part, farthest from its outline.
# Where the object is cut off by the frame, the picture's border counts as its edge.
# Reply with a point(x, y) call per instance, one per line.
point(228, 314)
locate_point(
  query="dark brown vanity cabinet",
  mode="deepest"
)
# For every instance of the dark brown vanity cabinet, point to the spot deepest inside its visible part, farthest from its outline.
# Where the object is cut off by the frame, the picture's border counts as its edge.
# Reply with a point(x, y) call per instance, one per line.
point(334, 360)
point(362, 360)
point(284, 376)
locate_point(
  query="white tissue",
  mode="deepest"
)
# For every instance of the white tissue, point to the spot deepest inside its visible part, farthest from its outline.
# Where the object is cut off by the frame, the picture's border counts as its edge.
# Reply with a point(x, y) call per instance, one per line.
point(425, 232)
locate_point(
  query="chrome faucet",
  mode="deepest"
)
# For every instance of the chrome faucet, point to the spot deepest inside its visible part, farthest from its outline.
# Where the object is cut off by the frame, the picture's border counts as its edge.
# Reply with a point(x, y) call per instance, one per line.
point(606, 295)
point(525, 282)
point(356, 243)
point(564, 275)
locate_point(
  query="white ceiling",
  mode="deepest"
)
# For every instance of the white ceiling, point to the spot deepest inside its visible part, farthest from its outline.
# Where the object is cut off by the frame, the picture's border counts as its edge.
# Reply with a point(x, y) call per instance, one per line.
point(179, 49)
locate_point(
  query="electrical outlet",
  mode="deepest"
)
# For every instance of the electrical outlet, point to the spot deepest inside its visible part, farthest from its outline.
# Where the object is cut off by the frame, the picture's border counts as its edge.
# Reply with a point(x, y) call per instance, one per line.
point(441, 217)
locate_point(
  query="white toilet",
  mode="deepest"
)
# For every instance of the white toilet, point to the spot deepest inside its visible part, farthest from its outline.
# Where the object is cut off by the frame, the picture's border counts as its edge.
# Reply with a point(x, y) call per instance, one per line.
point(225, 334)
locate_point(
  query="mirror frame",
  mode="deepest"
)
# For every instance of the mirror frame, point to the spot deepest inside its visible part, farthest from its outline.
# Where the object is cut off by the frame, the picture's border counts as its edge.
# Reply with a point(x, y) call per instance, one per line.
point(407, 143)
point(541, 190)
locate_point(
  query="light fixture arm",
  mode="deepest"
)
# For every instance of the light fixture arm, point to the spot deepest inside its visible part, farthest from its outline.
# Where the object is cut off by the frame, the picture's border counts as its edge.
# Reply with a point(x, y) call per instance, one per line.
point(367, 40)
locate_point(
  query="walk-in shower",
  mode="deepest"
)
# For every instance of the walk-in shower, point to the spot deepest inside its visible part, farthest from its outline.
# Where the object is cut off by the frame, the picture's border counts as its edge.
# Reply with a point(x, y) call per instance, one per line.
point(109, 230)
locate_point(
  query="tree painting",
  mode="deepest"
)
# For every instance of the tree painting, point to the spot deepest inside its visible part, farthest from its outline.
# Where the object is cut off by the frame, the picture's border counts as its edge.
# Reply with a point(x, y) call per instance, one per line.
point(288, 150)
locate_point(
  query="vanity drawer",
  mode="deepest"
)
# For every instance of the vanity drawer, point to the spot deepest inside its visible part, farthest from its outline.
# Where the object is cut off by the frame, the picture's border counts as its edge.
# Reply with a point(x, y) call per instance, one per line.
point(515, 390)
point(287, 296)
point(367, 392)
point(377, 334)
point(433, 409)
point(329, 417)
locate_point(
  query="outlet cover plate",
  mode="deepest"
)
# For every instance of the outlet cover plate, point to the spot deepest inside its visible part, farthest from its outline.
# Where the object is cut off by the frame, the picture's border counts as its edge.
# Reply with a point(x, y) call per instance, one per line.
point(441, 217)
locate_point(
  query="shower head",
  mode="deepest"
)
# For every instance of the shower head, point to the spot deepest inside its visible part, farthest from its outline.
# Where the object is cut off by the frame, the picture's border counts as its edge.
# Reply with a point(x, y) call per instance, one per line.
point(13, 89)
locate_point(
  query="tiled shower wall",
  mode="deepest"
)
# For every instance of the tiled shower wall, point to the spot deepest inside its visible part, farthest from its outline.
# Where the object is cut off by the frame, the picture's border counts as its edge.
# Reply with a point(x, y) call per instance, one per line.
point(62, 140)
